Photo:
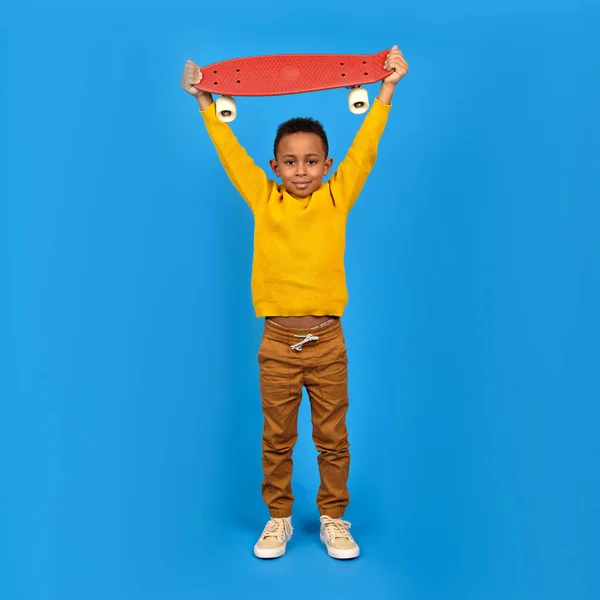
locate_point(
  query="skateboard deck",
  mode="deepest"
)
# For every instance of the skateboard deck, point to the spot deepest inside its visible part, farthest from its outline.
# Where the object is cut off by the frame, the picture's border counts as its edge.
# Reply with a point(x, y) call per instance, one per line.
point(281, 74)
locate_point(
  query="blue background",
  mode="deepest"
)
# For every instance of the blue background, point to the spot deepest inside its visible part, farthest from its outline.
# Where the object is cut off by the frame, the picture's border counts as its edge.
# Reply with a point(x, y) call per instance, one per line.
point(130, 425)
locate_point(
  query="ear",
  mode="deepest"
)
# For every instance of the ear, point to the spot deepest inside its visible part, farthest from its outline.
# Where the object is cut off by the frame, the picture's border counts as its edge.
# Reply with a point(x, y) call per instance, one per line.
point(328, 163)
point(275, 166)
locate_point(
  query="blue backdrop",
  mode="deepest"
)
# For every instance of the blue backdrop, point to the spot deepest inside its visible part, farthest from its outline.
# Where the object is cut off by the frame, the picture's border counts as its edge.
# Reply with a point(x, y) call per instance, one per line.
point(131, 424)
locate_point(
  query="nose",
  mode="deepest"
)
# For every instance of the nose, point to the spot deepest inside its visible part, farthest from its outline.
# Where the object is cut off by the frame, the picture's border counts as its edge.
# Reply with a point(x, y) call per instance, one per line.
point(300, 169)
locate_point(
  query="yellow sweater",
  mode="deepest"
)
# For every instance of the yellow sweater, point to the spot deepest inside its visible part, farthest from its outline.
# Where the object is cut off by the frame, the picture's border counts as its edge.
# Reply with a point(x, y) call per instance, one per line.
point(298, 266)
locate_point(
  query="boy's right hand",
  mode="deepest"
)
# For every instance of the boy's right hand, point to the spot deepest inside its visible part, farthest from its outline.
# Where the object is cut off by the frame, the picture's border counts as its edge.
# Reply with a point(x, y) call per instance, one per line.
point(191, 75)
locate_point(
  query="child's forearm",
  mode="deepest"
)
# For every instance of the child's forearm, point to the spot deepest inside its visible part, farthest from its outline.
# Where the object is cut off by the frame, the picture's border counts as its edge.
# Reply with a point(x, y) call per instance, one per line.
point(249, 179)
point(204, 100)
point(386, 92)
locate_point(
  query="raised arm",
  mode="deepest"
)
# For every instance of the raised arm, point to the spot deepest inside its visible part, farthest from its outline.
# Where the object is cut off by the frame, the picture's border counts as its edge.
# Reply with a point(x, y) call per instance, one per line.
point(354, 170)
point(249, 179)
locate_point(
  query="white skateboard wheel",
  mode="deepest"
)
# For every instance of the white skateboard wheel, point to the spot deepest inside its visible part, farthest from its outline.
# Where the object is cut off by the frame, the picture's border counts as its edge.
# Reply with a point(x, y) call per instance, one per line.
point(358, 100)
point(226, 109)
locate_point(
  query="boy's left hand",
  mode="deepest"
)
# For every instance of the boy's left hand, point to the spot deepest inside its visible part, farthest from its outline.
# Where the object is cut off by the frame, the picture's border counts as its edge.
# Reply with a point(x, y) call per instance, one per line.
point(395, 61)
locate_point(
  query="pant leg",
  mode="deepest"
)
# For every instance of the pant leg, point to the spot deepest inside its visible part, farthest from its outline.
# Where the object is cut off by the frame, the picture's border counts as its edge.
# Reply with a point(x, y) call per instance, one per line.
point(327, 385)
point(281, 383)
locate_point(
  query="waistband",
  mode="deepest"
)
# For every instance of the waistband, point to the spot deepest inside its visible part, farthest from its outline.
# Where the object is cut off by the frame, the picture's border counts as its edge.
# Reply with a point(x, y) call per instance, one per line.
point(291, 336)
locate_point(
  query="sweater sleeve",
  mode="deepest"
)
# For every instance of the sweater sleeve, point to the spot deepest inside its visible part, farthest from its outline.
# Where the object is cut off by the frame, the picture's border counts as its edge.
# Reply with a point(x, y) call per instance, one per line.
point(249, 179)
point(350, 177)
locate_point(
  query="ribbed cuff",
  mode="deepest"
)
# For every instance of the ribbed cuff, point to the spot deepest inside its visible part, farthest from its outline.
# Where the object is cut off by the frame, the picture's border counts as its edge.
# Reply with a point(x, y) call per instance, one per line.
point(378, 102)
point(280, 513)
point(210, 112)
point(336, 513)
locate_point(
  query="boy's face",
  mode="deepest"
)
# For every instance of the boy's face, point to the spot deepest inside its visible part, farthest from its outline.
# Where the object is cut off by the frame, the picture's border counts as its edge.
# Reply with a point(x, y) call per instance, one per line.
point(301, 163)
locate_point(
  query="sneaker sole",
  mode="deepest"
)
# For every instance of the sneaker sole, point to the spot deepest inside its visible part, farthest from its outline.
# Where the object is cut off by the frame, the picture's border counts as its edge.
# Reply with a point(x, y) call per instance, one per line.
point(269, 552)
point(341, 554)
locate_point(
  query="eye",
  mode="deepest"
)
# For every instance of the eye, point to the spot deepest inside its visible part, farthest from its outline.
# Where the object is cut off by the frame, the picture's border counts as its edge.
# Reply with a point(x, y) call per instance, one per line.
point(289, 162)
point(312, 161)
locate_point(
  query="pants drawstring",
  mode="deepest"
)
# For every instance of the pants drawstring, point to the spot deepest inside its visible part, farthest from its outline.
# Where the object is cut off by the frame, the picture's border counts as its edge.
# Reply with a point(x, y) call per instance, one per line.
point(309, 338)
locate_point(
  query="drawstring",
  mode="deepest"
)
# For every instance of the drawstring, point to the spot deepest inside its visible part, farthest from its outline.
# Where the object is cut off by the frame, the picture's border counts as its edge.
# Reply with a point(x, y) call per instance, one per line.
point(309, 338)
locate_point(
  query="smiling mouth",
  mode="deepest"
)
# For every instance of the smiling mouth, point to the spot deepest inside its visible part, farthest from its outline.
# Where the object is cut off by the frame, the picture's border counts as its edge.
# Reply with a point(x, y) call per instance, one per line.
point(301, 184)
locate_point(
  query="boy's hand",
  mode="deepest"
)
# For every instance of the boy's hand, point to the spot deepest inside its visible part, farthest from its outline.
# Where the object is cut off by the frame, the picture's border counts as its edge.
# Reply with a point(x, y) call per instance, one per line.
point(191, 75)
point(395, 61)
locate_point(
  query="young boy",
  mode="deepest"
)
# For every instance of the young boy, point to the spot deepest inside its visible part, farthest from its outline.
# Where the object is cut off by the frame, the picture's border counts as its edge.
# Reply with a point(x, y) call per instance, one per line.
point(299, 287)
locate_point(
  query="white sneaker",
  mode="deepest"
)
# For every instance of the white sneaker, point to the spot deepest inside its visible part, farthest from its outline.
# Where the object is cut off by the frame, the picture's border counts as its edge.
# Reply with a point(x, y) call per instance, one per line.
point(335, 535)
point(274, 538)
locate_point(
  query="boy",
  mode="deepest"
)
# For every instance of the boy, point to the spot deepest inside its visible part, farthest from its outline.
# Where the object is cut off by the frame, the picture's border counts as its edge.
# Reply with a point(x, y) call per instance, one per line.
point(299, 287)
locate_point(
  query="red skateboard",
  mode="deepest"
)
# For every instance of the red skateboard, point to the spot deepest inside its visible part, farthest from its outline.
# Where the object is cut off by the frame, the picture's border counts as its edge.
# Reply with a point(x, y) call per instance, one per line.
point(281, 74)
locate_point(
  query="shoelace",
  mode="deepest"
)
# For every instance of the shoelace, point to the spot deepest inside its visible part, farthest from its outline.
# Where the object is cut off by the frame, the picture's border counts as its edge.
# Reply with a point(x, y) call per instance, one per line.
point(309, 338)
point(279, 528)
point(336, 528)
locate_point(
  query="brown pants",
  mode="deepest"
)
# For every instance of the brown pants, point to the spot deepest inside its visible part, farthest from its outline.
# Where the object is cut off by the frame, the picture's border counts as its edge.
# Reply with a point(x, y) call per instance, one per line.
point(322, 367)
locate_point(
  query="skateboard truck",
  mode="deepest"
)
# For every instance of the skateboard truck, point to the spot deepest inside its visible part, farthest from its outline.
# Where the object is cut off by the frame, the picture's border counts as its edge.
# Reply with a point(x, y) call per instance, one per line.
point(358, 103)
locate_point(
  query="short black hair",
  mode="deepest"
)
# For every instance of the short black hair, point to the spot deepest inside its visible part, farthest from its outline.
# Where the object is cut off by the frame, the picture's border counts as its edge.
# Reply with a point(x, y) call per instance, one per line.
point(301, 125)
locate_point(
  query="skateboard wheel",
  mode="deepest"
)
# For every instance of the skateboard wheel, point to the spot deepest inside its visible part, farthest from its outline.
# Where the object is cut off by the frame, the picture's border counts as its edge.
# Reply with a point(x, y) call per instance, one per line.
point(358, 100)
point(226, 109)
